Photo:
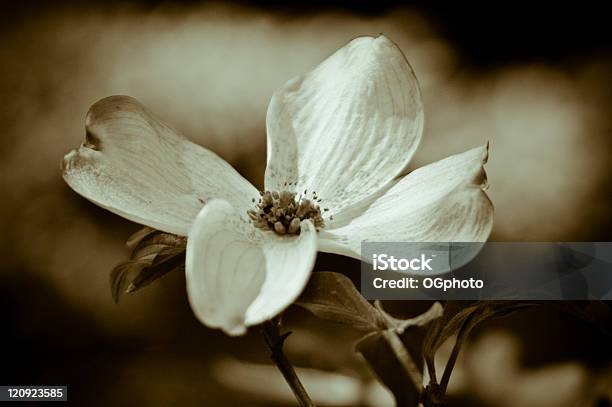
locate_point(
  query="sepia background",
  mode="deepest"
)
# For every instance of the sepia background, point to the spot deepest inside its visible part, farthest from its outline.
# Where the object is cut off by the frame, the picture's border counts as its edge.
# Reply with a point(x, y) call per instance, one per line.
point(532, 80)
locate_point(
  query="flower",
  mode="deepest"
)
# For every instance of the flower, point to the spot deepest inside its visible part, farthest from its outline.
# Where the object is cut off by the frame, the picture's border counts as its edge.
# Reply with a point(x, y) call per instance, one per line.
point(337, 138)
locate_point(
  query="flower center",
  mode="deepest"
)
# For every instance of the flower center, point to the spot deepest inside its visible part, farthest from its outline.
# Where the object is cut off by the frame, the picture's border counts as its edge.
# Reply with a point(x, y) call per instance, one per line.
point(284, 211)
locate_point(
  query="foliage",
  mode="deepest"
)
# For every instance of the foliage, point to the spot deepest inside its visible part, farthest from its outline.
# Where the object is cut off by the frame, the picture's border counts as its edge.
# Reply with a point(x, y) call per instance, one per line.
point(154, 254)
point(386, 346)
point(397, 350)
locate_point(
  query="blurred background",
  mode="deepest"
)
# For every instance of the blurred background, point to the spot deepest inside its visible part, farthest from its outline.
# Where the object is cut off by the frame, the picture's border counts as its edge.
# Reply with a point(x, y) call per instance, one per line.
point(533, 80)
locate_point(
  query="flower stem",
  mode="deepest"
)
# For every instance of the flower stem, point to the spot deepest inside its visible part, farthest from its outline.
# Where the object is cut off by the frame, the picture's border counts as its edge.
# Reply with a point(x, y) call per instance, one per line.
point(275, 340)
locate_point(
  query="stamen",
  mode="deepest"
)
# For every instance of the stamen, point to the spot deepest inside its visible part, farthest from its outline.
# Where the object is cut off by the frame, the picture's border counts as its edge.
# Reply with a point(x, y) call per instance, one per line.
point(294, 226)
point(283, 212)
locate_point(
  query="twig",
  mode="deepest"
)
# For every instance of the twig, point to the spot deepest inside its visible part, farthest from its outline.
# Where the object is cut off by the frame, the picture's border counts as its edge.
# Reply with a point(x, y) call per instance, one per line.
point(275, 340)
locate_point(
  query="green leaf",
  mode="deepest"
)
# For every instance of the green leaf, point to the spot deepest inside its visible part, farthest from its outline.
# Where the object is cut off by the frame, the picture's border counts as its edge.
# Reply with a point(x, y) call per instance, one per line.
point(154, 254)
point(332, 296)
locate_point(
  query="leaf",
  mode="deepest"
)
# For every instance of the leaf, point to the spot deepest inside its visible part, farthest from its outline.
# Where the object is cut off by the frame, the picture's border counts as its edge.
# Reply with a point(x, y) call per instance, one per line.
point(167, 260)
point(135, 238)
point(380, 349)
point(461, 315)
point(122, 276)
point(157, 239)
point(332, 296)
point(461, 318)
point(595, 312)
point(154, 255)
point(400, 325)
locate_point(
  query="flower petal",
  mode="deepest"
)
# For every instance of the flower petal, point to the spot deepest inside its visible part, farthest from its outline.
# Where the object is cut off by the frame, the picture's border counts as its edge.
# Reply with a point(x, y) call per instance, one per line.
point(441, 202)
point(237, 275)
point(347, 128)
point(137, 167)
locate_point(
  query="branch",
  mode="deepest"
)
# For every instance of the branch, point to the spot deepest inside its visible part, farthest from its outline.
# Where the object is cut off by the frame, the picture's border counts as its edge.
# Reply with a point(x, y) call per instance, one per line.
point(275, 341)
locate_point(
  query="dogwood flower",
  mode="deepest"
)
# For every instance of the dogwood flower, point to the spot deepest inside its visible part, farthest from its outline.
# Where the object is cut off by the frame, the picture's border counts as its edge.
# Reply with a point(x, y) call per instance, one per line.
point(337, 138)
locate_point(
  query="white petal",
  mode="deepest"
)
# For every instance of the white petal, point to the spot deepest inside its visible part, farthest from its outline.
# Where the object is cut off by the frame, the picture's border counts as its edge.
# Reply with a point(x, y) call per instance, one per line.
point(137, 167)
point(237, 275)
point(441, 202)
point(347, 128)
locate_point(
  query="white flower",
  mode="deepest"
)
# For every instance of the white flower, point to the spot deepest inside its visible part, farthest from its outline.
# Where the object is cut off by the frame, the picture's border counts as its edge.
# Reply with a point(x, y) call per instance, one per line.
point(345, 130)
